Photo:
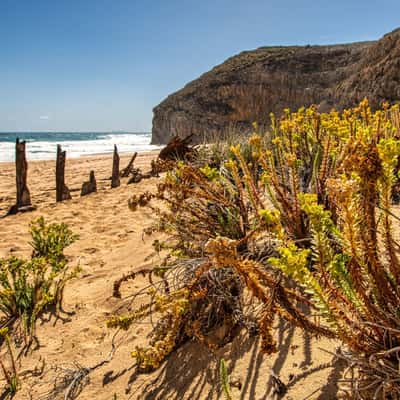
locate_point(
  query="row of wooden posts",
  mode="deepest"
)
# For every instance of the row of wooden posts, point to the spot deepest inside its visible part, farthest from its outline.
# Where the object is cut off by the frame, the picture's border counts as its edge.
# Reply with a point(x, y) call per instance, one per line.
point(62, 192)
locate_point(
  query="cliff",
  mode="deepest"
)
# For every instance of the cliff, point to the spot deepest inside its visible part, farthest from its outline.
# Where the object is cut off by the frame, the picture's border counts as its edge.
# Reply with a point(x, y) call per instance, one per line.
point(247, 87)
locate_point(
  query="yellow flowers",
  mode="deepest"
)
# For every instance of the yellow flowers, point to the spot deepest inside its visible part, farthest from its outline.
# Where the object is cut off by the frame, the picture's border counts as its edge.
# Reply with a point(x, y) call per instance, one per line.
point(211, 173)
point(270, 217)
point(293, 262)
point(389, 150)
point(235, 149)
point(276, 141)
point(255, 141)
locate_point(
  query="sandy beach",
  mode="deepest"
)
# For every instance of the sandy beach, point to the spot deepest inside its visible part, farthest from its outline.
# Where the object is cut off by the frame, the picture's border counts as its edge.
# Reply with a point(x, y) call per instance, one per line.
point(112, 243)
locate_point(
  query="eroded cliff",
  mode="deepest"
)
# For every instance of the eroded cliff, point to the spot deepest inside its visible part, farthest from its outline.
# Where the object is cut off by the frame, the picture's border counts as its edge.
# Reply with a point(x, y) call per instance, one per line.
point(247, 87)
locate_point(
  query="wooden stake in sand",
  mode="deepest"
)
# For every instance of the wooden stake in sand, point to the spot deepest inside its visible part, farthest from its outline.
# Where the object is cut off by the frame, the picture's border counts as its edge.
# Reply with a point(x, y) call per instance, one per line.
point(62, 191)
point(89, 186)
point(21, 173)
point(126, 171)
point(115, 182)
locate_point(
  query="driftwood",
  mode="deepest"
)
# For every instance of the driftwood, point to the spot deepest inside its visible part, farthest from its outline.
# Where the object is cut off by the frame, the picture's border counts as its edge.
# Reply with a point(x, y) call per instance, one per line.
point(23, 202)
point(127, 171)
point(89, 186)
point(138, 175)
point(115, 182)
point(177, 148)
point(62, 191)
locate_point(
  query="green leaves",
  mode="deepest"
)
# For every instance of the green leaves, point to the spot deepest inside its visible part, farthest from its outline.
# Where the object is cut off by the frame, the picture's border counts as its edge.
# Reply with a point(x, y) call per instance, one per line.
point(27, 287)
point(223, 373)
point(50, 240)
point(211, 173)
point(11, 376)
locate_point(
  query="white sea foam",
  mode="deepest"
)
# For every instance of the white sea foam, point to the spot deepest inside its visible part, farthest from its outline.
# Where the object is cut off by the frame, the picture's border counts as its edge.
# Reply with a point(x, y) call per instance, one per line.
point(46, 150)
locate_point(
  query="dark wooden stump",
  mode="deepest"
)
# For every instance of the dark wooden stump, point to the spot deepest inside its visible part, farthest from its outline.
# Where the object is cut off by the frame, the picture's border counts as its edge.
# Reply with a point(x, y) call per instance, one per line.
point(115, 182)
point(23, 202)
point(21, 173)
point(89, 186)
point(177, 149)
point(62, 191)
point(127, 171)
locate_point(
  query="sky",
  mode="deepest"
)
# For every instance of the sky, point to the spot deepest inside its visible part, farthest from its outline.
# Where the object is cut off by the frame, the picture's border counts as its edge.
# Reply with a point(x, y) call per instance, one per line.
point(102, 65)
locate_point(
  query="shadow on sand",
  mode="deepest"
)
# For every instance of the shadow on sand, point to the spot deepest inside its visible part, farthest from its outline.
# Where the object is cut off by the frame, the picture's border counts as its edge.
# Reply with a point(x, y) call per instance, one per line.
point(192, 372)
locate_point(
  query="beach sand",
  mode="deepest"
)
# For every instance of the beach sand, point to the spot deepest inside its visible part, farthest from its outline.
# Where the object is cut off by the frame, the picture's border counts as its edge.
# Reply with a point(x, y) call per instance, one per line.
point(111, 244)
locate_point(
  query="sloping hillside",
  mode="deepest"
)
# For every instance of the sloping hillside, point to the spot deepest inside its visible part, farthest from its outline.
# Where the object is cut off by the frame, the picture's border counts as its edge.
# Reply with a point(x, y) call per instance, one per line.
point(250, 85)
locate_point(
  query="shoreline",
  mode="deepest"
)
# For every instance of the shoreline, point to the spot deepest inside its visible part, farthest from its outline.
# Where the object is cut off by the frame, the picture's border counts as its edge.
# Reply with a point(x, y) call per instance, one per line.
point(73, 157)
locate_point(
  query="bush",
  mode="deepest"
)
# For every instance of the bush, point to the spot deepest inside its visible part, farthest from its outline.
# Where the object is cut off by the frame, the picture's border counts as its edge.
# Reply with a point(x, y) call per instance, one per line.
point(352, 267)
point(315, 194)
point(27, 287)
point(50, 240)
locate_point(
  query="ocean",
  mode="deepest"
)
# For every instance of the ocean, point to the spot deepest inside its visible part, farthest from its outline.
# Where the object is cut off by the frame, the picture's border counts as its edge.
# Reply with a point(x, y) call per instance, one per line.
point(43, 145)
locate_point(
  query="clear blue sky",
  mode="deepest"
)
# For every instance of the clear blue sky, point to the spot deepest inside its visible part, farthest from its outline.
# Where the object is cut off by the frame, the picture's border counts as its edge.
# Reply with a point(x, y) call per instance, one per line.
point(104, 64)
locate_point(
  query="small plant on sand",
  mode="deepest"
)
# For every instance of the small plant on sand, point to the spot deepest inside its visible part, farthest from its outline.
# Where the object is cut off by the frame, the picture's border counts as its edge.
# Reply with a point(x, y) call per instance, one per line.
point(27, 287)
point(10, 374)
point(223, 373)
point(50, 240)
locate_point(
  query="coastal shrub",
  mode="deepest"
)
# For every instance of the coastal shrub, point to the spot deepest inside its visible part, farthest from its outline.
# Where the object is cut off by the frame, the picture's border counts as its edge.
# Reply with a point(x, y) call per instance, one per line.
point(205, 203)
point(27, 287)
point(317, 193)
point(193, 299)
point(352, 267)
point(304, 149)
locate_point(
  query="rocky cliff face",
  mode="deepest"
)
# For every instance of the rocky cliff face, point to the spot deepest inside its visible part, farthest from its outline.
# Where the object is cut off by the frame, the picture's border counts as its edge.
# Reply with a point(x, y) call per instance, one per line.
point(247, 87)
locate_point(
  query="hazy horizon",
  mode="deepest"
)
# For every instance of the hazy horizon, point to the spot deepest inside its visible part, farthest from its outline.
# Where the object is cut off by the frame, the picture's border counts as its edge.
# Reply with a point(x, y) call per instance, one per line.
point(101, 66)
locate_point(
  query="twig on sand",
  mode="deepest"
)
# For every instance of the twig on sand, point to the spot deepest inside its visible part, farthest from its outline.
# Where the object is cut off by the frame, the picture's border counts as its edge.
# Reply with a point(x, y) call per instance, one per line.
point(71, 381)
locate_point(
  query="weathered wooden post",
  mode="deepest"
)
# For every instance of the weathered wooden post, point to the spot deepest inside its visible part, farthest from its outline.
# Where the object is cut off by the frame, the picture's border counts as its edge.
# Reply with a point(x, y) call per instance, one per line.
point(62, 191)
point(21, 173)
point(126, 171)
point(115, 182)
point(89, 186)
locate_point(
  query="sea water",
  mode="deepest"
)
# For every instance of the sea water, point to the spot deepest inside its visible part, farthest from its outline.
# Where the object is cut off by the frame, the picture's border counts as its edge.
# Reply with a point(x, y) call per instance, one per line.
point(43, 145)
